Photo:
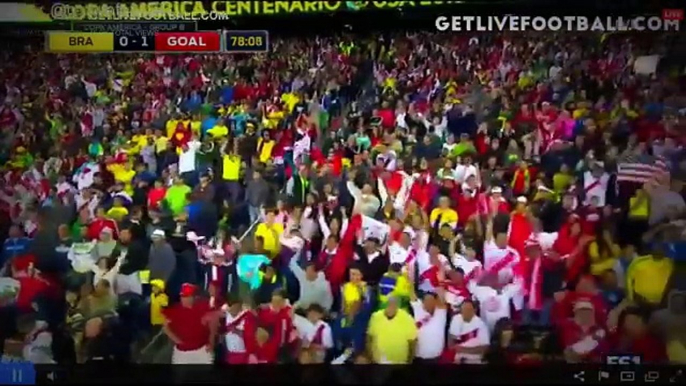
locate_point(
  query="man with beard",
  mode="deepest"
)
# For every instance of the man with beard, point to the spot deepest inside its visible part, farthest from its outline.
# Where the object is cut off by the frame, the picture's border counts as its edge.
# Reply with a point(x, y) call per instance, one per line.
point(135, 260)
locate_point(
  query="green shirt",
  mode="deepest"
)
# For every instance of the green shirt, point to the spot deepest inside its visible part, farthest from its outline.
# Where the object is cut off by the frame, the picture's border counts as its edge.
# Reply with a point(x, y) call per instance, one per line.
point(463, 147)
point(176, 198)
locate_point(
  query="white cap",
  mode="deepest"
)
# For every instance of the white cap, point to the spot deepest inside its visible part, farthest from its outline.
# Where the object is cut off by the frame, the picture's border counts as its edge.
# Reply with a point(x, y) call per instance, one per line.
point(158, 233)
point(522, 200)
point(496, 189)
point(192, 236)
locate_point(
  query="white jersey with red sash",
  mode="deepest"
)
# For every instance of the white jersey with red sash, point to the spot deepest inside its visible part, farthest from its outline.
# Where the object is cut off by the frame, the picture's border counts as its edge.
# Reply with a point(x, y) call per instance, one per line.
point(500, 262)
point(595, 187)
point(318, 334)
point(455, 295)
point(472, 333)
point(428, 272)
point(220, 275)
point(235, 328)
point(471, 268)
point(494, 304)
point(431, 330)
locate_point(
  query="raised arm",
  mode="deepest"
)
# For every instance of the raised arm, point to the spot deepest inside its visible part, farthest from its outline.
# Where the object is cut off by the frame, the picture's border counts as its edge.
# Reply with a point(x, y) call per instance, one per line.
point(323, 226)
point(489, 230)
point(383, 193)
point(294, 266)
point(353, 189)
point(400, 198)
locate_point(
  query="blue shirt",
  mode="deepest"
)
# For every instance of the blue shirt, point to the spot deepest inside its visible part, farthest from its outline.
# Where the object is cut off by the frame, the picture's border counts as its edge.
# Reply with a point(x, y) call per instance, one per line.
point(677, 251)
point(227, 95)
point(193, 211)
point(193, 102)
point(207, 124)
point(146, 176)
point(13, 247)
point(352, 335)
point(613, 297)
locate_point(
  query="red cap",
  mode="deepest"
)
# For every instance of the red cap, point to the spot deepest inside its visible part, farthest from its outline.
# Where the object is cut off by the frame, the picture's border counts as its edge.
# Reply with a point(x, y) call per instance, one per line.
point(23, 262)
point(187, 290)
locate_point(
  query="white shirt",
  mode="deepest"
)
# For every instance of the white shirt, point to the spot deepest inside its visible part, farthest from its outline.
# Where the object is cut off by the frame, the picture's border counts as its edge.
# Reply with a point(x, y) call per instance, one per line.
point(494, 305)
point(475, 334)
point(431, 334)
point(546, 240)
point(110, 275)
point(599, 189)
point(308, 224)
point(493, 254)
point(467, 266)
point(91, 205)
point(187, 158)
point(84, 179)
point(424, 264)
point(462, 172)
point(397, 254)
point(307, 332)
point(235, 342)
point(81, 257)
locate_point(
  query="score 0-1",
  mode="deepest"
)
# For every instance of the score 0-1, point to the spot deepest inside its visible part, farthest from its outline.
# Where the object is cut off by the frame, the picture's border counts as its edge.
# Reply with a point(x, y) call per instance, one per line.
point(127, 43)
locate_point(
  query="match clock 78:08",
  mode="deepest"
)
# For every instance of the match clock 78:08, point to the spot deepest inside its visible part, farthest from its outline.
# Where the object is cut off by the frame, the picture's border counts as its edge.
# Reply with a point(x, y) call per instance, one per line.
point(246, 41)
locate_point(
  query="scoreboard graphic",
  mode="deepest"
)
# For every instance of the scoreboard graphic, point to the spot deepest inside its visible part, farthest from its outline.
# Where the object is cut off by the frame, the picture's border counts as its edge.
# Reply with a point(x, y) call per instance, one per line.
point(163, 42)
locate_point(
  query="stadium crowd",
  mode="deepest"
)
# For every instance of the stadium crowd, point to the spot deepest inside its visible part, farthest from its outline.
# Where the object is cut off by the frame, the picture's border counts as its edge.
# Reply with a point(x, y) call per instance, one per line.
point(420, 198)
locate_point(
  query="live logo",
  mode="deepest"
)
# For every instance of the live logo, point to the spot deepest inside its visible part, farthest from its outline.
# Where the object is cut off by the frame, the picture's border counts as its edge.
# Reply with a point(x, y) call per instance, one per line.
point(673, 14)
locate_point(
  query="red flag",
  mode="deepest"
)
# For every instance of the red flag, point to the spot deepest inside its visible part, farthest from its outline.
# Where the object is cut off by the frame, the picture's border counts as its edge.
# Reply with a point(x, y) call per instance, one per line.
point(339, 264)
point(520, 231)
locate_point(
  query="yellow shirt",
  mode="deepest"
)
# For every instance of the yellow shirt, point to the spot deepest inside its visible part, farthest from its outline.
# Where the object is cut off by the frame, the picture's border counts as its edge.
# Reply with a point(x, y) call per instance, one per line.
point(290, 100)
point(391, 337)
point(117, 213)
point(448, 216)
point(638, 207)
point(352, 293)
point(195, 127)
point(171, 127)
point(676, 352)
point(271, 240)
point(124, 176)
point(161, 144)
point(231, 170)
point(578, 113)
point(561, 182)
point(218, 131)
point(157, 303)
point(265, 149)
point(648, 278)
point(600, 264)
point(120, 174)
point(138, 141)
